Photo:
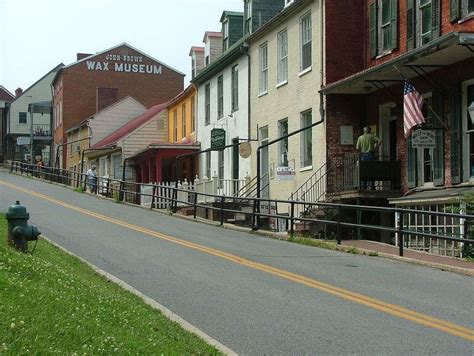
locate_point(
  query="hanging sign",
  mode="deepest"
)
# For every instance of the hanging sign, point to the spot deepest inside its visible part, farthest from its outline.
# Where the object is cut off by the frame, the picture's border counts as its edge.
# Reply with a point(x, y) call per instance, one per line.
point(423, 139)
point(285, 173)
point(22, 141)
point(245, 149)
point(217, 139)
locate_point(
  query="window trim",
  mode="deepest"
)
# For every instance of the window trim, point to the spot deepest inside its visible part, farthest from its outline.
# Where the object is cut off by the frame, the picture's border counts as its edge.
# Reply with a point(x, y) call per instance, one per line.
point(20, 120)
point(281, 133)
point(234, 88)
point(183, 118)
point(307, 15)
point(220, 96)
point(304, 138)
point(207, 104)
point(282, 58)
point(263, 68)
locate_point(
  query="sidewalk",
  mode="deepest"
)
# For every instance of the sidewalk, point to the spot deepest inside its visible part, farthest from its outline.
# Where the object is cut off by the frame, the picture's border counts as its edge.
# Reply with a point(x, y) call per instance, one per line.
point(437, 261)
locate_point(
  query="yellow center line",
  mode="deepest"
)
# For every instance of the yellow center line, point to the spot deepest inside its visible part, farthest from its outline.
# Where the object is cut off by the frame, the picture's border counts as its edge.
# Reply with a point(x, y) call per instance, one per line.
point(392, 309)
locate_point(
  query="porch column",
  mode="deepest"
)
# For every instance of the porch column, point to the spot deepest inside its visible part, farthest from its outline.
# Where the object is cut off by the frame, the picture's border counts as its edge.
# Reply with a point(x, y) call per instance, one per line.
point(159, 167)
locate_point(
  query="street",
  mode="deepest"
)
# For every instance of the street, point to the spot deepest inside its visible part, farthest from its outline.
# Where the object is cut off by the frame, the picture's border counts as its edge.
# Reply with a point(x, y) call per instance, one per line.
point(254, 294)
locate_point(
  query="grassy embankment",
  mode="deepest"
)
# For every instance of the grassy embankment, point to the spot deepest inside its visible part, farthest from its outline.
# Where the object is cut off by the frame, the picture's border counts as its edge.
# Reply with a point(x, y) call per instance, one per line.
point(50, 302)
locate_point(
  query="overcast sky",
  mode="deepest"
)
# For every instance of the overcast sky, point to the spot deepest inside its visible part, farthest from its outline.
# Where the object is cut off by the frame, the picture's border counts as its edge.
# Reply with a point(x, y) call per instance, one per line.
point(37, 35)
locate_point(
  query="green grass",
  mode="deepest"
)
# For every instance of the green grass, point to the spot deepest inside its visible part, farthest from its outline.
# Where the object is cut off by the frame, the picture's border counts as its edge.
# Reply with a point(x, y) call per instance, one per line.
point(51, 302)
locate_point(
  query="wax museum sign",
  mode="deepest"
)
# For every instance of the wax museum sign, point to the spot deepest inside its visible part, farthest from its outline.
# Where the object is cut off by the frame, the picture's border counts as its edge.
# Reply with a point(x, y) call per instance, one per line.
point(124, 63)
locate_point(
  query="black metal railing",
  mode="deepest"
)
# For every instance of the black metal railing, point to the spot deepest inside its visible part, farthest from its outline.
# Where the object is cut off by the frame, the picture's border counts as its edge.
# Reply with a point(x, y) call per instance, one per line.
point(353, 174)
point(224, 207)
point(42, 130)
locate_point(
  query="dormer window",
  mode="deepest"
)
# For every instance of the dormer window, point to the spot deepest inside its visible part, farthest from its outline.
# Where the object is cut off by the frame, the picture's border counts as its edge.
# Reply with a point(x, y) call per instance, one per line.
point(288, 2)
point(248, 16)
point(225, 35)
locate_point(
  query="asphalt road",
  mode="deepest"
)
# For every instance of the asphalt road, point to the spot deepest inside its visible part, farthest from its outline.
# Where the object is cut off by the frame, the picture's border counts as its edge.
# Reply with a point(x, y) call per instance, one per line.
point(253, 294)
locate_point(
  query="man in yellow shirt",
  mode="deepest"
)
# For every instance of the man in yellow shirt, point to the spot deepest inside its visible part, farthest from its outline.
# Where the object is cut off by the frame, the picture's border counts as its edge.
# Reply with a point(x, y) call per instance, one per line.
point(367, 145)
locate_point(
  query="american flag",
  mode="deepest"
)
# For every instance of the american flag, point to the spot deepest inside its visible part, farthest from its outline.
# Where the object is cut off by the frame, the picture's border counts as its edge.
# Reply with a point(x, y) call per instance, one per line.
point(412, 104)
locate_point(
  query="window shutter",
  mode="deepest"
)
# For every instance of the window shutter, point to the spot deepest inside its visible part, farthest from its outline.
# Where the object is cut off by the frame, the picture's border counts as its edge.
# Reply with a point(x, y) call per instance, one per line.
point(411, 165)
point(436, 19)
point(438, 150)
point(410, 24)
point(373, 29)
point(394, 24)
point(454, 10)
point(455, 100)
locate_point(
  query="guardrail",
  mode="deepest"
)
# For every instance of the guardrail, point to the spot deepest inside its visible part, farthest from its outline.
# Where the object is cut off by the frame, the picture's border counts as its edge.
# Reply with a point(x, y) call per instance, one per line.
point(225, 205)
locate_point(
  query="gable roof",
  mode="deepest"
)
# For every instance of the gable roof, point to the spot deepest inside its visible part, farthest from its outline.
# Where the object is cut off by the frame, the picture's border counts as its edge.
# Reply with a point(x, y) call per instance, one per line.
point(107, 108)
point(55, 69)
point(130, 126)
point(5, 95)
point(227, 13)
point(196, 49)
point(211, 34)
point(120, 45)
point(181, 95)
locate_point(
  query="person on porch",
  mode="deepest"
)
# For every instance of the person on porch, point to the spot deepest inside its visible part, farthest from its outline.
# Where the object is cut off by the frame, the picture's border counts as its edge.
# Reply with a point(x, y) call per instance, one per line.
point(367, 145)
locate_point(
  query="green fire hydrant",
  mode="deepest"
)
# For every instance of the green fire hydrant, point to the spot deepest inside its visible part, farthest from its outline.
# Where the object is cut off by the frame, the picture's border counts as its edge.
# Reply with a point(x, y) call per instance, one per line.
point(19, 232)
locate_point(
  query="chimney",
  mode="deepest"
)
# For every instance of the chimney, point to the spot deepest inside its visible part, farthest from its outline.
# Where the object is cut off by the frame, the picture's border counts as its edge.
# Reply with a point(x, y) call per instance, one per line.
point(18, 92)
point(80, 56)
point(197, 60)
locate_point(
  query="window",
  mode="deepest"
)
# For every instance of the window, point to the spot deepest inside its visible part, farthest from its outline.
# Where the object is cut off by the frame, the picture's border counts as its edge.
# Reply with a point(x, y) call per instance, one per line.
point(207, 104)
point(208, 60)
point(306, 140)
point(283, 144)
point(22, 118)
point(468, 128)
point(220, 96)
point(263, 55)
point(220, 171)
point(288, 2)
point(193, 115)
point(423, 22)
point(282, 70)
point(175, 125)
point(235, 88)
point(193, 66)
point(461, 9)
point(183, 118)
point(208, 165)
point(306, 38)
point(383, 26)
point(248, 17)
point(225, 35)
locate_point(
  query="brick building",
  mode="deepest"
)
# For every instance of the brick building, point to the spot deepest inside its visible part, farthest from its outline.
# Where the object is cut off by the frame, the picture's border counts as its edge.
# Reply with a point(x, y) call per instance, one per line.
point(96, 81)
point(5, 99)
point(431, 44)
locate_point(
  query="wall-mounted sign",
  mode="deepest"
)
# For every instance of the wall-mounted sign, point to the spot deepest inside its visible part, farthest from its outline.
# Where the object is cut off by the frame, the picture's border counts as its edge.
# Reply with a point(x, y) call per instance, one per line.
point(423, 139)
point(124, 63)
point(347, 135)
point(286, 173)
point(245, 149)
point(22, 141)
point(217, 139)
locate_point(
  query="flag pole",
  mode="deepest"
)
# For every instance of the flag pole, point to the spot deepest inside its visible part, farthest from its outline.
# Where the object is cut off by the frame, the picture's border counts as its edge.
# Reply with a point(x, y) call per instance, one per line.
point(435, 114)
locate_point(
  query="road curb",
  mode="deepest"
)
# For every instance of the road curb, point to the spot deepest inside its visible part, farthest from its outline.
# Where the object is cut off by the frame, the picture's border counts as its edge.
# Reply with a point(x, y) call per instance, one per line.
point(151, 302)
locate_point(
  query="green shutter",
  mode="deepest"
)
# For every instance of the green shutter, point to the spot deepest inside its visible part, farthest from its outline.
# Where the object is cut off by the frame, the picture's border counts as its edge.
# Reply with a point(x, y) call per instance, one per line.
point(411, 164)
point(410, 24)
point(436, 19)
point(455, 104)
point(373, 29)
point(438, 150)
point(394, 24)
point(454, 10)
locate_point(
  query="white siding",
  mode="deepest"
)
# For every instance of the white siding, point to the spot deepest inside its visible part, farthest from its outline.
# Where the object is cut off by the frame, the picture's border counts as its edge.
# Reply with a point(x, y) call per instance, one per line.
point(110, 119)
point(40, 91)
point(235, 125)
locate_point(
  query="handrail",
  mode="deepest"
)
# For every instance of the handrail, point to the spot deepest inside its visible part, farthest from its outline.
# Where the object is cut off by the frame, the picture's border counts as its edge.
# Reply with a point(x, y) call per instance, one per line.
point(133, 194)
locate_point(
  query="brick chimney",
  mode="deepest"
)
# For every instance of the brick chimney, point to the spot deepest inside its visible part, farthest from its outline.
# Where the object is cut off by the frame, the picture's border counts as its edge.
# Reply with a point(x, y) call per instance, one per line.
point(197, 60)
point(80, 56)
point(18, 92)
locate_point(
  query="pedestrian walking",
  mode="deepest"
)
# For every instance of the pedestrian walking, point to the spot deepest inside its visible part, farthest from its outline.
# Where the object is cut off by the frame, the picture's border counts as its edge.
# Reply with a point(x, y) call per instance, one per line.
point(92, 179)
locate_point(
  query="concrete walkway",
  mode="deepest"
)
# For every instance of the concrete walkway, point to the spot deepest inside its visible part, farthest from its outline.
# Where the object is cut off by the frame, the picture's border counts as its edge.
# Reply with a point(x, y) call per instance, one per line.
point(438, 261)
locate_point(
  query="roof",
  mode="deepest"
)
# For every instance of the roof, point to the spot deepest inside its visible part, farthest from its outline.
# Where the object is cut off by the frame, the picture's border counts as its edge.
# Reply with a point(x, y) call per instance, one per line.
point(211, 34)
point(440, 52)
point(112, 48)
point(235, 51)
point(226, 13)
point(435, 195)
point(165, 146)
point(181, 95)
point(55, 69)
point(195, 49)
point(130, 126)
point(111, 106)
point(278, 19)
point(5, 95)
